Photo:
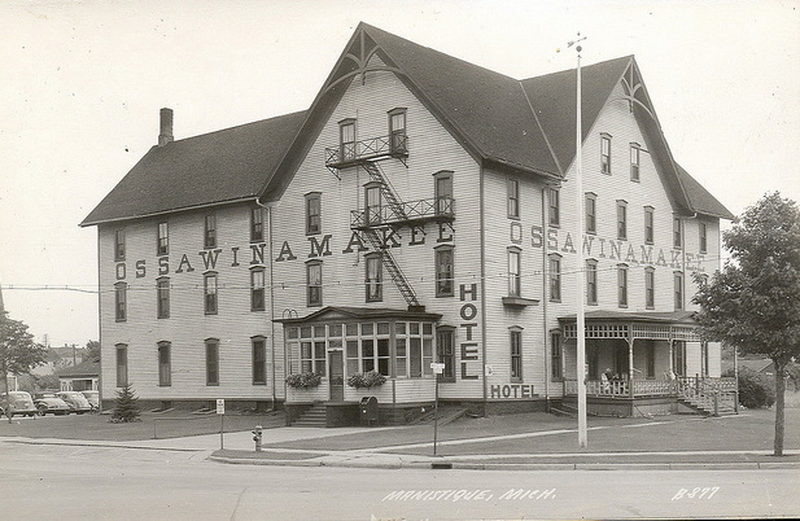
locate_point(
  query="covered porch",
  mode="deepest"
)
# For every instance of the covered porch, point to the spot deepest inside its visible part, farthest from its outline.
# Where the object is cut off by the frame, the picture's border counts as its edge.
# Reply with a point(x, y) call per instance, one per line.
point(636, 363)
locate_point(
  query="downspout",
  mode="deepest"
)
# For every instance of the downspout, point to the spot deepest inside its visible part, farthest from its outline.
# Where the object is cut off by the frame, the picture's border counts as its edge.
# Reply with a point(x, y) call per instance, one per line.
point(271, 302)
point(483, 290)
point(545, 332)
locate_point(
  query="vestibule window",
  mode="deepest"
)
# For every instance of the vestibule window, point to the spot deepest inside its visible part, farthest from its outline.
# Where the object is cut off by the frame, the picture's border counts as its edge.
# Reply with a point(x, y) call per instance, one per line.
point(122, 365)
point(259, 358)
point(210, 291)
point(591, 212)
point(162, 292)
point(210, 233)
point(314, 283)
point(397, 129)
point(257, 284)
point(256, 224)
point(703, 231)
point(648, 224)
point(374, 277)
point(515, 336)
point(513, 198)
point(605, 153)
point(162, 244)
point(444, 271)
point(591, 282)
point(164, 364)
point(312, 357)
point(678, 282)
point(121, 301)
point(649, 287)
point(622, 285)
point(555, 356)
point(554, 205)
point(514, 272)
point(119, 245)
point(446, 353)
point(555, 277)
point(635, 153)
point(347, 139)
point(212, 361)
point(622, 220)
point(313, 213)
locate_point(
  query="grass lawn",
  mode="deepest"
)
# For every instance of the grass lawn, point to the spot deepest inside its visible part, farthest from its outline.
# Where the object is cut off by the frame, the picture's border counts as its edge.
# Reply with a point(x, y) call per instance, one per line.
point(97, 427)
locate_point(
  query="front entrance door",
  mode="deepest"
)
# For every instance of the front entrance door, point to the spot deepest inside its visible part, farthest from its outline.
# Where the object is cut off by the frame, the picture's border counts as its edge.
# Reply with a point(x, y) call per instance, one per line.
point(336, 376)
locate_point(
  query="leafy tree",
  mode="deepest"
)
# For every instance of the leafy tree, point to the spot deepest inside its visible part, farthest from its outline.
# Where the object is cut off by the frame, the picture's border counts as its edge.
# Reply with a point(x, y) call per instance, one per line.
point(126, 407)
point(92, 351)
point(753, 304)
point(18, 352)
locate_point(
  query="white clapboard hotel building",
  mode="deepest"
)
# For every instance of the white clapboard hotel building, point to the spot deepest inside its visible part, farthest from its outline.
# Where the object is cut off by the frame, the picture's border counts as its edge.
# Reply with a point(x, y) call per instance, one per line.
point(421, 210)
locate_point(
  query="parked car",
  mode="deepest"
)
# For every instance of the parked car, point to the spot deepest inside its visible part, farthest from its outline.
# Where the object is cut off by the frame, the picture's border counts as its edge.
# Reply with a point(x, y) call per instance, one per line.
point(93, 397)
point(17, 402)
point(50, 403)
point(77, 402)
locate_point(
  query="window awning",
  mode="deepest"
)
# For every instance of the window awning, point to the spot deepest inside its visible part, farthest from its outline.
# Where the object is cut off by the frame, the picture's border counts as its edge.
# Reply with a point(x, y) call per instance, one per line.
point(648, 325)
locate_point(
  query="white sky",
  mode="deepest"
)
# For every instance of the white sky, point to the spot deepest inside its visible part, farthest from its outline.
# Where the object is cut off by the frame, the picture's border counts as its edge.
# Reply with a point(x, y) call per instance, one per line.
point(81, 84)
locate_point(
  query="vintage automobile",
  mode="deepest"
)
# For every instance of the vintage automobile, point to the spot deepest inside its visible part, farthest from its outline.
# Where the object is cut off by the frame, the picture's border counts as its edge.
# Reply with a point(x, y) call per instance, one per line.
point(17, 403)
point(93, 397)
point(77, 402)
point(50, 403)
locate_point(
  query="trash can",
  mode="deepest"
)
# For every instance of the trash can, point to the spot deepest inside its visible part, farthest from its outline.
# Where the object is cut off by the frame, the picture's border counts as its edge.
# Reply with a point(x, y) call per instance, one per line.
point(368, 411)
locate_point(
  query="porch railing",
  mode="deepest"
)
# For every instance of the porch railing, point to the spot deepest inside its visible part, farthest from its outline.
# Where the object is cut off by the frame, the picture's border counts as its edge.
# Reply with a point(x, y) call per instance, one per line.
point(686, 386)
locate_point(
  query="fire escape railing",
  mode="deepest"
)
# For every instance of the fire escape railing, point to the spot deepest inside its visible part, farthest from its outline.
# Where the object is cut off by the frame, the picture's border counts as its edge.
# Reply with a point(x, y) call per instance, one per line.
point(347, 154)
point(405, 212)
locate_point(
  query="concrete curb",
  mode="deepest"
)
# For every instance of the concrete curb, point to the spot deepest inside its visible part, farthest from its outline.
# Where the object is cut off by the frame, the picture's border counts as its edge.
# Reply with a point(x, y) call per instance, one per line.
point(99, 445)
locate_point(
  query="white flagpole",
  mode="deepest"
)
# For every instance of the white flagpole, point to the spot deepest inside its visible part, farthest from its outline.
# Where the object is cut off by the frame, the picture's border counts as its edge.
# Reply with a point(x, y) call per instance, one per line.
point(580, 325)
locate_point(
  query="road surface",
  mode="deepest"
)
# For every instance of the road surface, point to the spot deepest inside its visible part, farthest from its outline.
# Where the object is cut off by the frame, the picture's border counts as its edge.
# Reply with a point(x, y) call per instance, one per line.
point(87, 483)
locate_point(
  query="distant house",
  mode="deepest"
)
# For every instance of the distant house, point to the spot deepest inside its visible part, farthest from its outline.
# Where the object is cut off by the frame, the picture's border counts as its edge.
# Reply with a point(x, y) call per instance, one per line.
point(59, 358)
point(82, 377)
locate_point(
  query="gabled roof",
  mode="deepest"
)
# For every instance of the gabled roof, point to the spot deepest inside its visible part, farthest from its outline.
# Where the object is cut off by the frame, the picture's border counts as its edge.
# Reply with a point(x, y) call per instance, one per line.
point(222, 166)
point(525, 125)
point(87, 368)
point(360, 313)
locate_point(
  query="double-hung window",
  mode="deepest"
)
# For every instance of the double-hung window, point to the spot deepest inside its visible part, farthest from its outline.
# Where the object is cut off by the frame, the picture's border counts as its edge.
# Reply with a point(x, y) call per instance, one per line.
point(162, 243)
point(555, 356)
point(554, 207)
point(590, 208)
point(210, 293)
point(397, 130)
point(622, 285)
point(119, 245)
point(374, 277)
point(515, 338)
point(514, 272)
point(314, 283)
point(162, 294)
point(678, 290)
point(122, 364)
point(649, 287)
point(212, 361)
point(622, 220)
point(446, 353)
point(210, 232)
point(444, 271)
point(554, 263)
point(635, 156)
point(121, 301)
point(648, 224)
point(512, 187)
point(256, 224)
point(443, 191)
point(347, 139)
point(677, 232)
point(591, 282)
point(258, 347)
point(703, 239)
point(164, 364)
point(312, 356)
point(313, 213)
point(257, 289)
point(605, 153)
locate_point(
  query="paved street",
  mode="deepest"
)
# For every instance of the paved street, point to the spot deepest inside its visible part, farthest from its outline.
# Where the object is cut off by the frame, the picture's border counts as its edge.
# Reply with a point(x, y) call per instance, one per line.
point(78, 483)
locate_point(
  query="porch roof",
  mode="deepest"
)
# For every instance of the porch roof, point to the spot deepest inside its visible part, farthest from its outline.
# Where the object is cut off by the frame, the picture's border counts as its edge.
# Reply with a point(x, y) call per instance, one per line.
point(643, 325)
point(670, 317)
point(357, 313)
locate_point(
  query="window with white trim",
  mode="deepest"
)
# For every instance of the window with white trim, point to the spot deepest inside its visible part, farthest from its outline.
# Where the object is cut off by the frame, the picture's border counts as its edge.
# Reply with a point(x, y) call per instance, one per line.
point(515, 341)
point(605, 153)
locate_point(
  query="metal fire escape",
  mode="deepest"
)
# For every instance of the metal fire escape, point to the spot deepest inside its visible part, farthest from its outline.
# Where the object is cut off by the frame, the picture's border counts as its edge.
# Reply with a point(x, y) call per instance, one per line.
point(371, 223)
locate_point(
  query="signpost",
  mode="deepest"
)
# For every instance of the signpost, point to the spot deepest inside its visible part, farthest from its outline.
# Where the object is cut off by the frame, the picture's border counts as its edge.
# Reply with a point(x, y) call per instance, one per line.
point(438, 368)
point(221, 414)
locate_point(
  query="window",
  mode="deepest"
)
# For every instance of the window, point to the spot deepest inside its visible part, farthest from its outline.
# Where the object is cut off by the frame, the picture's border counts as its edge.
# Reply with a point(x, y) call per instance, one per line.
point(650, 287)
point(635, 151)
point(210, 235)
point(122, 365)
point(312, 357)
point(444, 272)
point(347, 139)
point(164, 364)
point(677, 235)
point(210, 292)
point(591, 212)
point(591, 282)
point(703, 230)
point(397, 130)
point(554, 213)
point(314, 283)
point(622, 220)
point(212, 361)
point(622, 285)
point(374, 277)
point(257, 285)
point(555, 356)
point(313, 213)
point(513, 198)
point(516, 354)
point(372, 199)
point(420, 352)
point(679, 357)
point(162, 292)
point(121, 301)
point(259, 357)
point(256, 224)
point(648, 224)
point(445, 352)
point(514, 277)
point(678, 281)
point(605, 153)
point(555, 277)
point(704, 358)
point(162, 245)
point(444, 192)
point(119, 245)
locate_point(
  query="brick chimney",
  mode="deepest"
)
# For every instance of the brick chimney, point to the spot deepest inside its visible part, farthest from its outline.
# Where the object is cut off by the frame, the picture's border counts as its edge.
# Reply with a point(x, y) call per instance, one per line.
point(165, 136)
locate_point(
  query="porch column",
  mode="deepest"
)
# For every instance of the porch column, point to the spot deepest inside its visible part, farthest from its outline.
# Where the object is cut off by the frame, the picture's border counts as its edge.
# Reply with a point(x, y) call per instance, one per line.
point(630, 365)
point(671, 369)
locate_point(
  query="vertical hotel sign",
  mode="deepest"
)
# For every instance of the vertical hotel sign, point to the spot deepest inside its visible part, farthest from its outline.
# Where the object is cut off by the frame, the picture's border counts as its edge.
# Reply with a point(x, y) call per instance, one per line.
point(468, 314)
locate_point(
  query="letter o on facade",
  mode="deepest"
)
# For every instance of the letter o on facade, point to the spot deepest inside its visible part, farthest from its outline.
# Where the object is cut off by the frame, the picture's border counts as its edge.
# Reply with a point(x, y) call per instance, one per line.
point(469, 311)
point(122, 271)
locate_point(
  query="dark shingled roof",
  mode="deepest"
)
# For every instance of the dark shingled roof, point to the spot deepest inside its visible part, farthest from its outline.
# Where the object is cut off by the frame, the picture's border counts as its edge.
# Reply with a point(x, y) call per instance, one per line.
point(527, 124)
point(361, 313)
point(87, 368)
point(682, 317)
point(225, 165)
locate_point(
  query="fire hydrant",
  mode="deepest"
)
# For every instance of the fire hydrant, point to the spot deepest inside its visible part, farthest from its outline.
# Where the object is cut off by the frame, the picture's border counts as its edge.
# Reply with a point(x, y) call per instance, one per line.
point(257, 434)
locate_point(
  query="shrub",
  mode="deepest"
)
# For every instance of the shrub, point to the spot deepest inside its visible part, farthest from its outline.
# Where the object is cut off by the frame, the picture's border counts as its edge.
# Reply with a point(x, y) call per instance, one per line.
point(366, 380)
point(755, 390)
point(126, 408)
point(303, 380)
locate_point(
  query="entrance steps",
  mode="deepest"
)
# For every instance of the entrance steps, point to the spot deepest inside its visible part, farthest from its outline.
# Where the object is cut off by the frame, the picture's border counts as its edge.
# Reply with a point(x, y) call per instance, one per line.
point(704, 404)
point(316, 416)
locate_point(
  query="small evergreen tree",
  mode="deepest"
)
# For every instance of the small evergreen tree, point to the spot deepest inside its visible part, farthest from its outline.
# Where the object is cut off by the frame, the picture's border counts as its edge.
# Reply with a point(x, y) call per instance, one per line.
point(126, 407)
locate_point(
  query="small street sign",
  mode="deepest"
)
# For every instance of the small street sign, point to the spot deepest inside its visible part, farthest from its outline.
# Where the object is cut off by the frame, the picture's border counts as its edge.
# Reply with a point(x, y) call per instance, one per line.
point(220, 406)
point(438, 368)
